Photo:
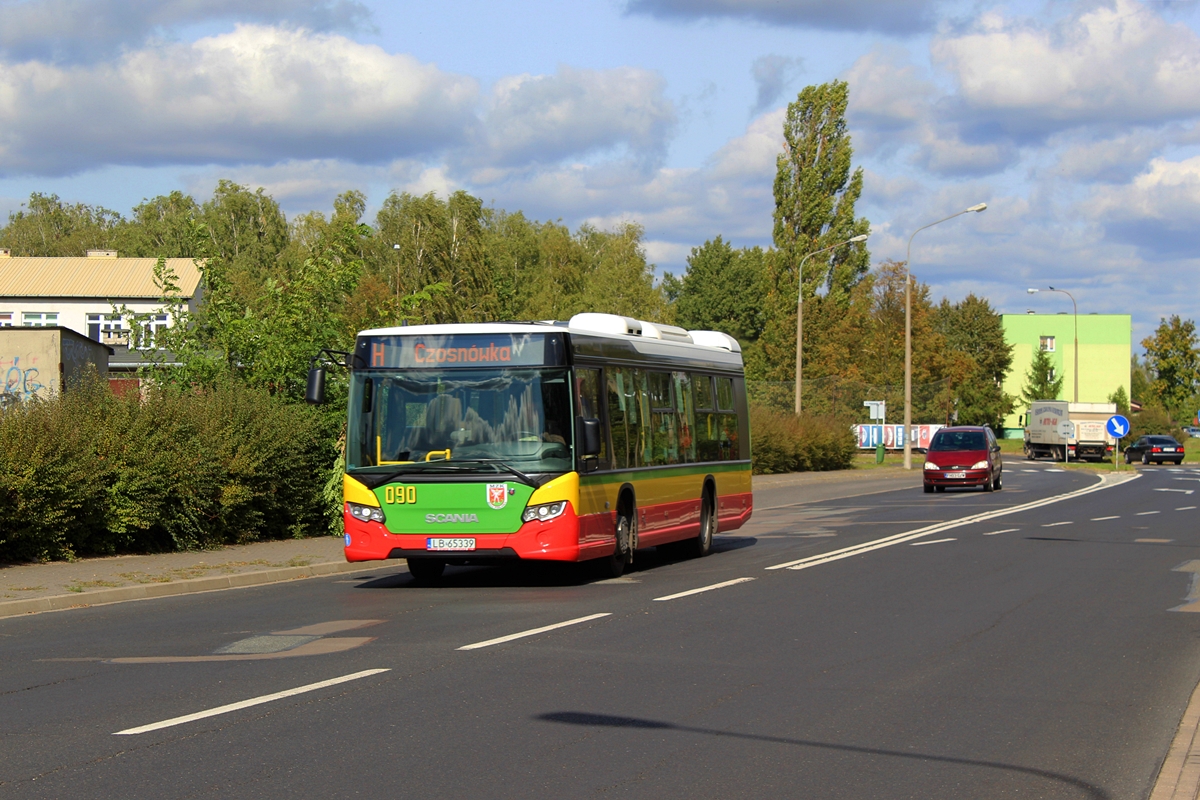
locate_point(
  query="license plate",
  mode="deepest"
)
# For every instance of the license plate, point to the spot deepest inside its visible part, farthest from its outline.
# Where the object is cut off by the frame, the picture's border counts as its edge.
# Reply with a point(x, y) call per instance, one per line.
point(449, 544)
point(956, 474)
point(1168, 449)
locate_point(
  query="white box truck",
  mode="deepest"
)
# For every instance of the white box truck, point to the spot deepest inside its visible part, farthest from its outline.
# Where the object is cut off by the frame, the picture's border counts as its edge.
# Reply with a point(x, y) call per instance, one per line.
point(1091, 440)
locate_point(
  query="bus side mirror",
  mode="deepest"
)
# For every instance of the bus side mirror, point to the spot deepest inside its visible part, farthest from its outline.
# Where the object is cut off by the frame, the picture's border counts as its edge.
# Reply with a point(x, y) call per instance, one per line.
point(587, 436)
point(315, 391)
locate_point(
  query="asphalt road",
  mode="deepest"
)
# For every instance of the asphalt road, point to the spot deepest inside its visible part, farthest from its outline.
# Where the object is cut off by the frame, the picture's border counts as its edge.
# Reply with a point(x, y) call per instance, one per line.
point(1034, 654)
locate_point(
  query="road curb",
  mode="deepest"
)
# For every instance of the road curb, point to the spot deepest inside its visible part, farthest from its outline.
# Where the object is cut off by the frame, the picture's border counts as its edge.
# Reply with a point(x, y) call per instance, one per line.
point(149, 591)
point(1179, 777)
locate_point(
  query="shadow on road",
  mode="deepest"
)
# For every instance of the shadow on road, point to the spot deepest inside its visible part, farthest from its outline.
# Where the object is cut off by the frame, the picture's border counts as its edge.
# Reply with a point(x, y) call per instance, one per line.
point(606, 720)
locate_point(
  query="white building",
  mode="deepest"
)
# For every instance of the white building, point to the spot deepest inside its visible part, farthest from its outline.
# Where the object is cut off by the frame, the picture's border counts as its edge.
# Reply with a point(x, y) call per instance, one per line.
point(82, 293)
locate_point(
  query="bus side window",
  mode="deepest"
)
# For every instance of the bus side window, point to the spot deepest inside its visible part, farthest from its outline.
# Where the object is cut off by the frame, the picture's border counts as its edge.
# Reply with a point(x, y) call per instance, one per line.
point(685, 410)
point(664, 439)
point(620, 412)
point(728, 421)
point(707, 430)
point(587, 402)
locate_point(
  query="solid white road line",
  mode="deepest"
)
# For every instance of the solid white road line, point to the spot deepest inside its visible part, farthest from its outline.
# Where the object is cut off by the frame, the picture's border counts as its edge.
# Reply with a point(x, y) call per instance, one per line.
point(934, 541)
point(721, 585)
point(1101, 519)
point(1056, 524)
point(1147, 513)
point(534, 632)
point(1006, 530)
point(254, 701)
point(920, 533)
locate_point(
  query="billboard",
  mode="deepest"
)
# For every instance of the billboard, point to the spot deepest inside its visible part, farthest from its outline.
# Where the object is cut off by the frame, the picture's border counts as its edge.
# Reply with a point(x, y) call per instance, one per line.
point(892, 436)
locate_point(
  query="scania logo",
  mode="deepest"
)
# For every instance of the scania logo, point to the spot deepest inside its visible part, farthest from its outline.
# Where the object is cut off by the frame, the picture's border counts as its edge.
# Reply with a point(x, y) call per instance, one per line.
point(439, 519)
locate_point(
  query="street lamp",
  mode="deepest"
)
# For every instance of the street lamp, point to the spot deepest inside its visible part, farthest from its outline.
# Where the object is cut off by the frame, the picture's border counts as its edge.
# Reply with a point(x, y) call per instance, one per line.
point(908, 331)
point(1075, 309)
point(862, 237)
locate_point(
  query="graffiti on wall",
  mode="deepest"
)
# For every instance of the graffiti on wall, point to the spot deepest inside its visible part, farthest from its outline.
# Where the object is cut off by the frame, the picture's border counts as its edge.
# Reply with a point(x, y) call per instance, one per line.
point(21, 379)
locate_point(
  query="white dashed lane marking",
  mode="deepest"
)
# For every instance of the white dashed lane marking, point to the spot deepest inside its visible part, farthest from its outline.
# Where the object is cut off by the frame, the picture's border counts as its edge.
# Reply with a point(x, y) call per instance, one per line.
point(935, 541)
point(254, 701)
point(1186, 508)
point(1101, 519)
point(534, 631)
point(1006, 530)
point(1147, 513)
point(690, 592)
point(1056, 524)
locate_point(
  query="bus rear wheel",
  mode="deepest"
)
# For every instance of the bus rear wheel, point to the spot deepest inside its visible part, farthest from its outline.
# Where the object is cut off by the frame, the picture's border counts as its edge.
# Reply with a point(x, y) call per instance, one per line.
point(702, 544)
point(426, 570)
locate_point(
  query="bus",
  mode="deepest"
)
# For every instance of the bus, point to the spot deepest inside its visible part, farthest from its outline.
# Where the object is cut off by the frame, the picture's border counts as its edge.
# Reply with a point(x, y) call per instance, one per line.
point(543, 441)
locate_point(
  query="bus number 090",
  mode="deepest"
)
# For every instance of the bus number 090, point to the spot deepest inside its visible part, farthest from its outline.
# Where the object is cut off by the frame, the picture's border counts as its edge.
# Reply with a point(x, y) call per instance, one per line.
point(400, 494)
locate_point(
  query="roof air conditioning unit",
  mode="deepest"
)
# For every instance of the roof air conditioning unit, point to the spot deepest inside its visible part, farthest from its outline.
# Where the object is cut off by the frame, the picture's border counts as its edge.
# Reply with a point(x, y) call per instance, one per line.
point(653, 330)
point(606, 323)
point(716, 339)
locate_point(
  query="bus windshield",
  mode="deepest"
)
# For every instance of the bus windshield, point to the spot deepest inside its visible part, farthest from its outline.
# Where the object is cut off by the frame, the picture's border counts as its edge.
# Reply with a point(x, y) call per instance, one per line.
point(423, 418)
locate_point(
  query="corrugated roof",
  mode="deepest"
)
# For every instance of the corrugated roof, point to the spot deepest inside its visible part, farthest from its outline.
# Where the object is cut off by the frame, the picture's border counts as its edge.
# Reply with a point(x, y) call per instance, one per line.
point(91, 277)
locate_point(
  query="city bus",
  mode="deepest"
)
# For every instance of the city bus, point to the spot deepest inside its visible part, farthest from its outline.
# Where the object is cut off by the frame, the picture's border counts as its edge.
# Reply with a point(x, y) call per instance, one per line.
point(543, 441)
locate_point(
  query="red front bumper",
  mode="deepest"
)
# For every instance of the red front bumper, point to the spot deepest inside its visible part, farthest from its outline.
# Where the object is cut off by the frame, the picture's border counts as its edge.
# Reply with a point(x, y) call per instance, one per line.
point(555, 540)
point(971, 477)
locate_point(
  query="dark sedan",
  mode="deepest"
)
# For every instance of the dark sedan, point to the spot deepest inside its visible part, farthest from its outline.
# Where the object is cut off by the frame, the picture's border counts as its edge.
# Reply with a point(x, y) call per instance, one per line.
point(1154, 449)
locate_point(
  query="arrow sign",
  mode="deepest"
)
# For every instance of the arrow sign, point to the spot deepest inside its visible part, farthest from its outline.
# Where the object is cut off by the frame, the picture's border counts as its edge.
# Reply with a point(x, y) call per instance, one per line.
point(1117, 426)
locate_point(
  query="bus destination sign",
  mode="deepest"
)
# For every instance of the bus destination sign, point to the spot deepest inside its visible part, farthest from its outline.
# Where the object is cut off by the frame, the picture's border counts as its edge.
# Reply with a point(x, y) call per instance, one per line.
point(460, 350)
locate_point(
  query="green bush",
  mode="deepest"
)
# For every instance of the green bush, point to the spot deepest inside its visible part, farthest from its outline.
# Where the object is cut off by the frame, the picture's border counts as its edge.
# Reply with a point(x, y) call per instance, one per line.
point(783, 442)
point(90, 473)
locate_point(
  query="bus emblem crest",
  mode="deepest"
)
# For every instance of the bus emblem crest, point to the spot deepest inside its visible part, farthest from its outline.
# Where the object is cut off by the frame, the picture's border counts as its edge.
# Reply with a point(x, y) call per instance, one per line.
point(497, 495)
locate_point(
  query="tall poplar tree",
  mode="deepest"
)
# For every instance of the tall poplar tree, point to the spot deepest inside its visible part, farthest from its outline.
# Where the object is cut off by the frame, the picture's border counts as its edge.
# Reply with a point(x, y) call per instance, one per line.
point(815, 193)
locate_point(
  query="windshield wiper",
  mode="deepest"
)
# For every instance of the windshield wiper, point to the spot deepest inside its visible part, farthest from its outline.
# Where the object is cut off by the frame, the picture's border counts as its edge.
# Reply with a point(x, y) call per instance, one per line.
point(455, 465)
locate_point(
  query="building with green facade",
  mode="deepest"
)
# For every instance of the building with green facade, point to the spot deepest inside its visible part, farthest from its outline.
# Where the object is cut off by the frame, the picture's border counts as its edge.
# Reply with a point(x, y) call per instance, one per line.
point(1105, 351)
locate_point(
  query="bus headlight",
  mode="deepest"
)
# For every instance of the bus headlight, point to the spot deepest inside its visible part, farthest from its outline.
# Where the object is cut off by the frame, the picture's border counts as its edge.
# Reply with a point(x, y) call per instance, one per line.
point(544, 512)
point(365, 513)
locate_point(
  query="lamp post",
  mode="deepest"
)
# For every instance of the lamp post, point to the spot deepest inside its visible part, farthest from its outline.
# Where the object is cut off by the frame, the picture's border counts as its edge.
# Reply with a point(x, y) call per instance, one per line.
point(1075, 312)
point(908, 331)
point(862, 237)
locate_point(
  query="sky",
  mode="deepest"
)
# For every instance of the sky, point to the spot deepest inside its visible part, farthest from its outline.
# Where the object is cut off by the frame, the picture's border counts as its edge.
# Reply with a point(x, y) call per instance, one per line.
point(1076, 122)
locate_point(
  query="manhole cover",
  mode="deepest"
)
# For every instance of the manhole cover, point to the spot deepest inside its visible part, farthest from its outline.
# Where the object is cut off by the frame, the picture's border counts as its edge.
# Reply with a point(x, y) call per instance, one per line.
point(264, 644)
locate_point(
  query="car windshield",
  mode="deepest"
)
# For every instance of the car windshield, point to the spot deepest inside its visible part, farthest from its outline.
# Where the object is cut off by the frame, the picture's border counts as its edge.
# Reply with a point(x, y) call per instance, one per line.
point(1161, 440)
point(958, 440)
point(461, 419)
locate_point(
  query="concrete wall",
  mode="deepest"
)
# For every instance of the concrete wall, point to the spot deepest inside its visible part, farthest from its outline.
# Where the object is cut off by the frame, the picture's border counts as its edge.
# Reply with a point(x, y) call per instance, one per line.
point(40, 362)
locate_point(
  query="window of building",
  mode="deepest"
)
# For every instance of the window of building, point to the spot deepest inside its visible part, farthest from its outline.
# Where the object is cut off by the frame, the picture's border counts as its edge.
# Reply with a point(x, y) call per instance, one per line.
point(1053, 372)
point(6, 319)
point(39, 319)
point(156, 323)
point(1048, 344)
point(106, 328)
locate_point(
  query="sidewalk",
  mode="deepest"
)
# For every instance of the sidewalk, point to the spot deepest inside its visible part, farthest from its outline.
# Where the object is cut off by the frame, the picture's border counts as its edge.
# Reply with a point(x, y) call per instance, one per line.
point(33, 588)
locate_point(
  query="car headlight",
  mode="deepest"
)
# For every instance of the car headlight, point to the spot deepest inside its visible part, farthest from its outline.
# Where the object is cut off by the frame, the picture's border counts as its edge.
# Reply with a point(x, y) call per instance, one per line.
point(980, 465)
point(931, 465)
point(544, 512)
point(365, 513)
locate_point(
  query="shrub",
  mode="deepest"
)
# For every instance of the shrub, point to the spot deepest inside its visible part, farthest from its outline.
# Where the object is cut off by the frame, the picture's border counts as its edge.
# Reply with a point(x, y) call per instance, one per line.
point(90, 473)
point(783, 442)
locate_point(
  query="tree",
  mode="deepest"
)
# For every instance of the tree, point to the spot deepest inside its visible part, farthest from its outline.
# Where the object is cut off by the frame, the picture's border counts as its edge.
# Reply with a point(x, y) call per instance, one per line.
point(815, 193)
point(1172, 359)
point(164, 226)
point(723, 290)
point(1040, 382)
point(1121, 400)
point(49, 227)
point(972, 329)
point(1139, 381)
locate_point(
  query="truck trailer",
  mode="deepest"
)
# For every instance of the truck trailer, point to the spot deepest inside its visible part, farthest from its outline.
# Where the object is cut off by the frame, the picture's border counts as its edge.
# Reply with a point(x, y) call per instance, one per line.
point(1090, 442)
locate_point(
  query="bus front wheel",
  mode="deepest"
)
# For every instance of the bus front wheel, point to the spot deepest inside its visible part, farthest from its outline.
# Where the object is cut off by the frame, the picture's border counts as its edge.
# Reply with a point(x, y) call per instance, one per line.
point(622, 556)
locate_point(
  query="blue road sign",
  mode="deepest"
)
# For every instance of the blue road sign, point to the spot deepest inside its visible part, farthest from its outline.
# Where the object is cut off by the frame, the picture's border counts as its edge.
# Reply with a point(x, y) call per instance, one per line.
point(1117, 426)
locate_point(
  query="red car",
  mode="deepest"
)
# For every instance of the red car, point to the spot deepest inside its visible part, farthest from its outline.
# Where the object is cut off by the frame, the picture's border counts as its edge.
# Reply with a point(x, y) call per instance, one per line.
point(963, 456)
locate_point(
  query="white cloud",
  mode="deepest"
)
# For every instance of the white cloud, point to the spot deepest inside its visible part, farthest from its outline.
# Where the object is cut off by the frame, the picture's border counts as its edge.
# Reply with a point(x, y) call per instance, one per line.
point(1112, 160)
point(78, 30)
point(538, 119)
point(1156, 211)
point(256, 94)
point(1116, 61)
point(895, 16)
